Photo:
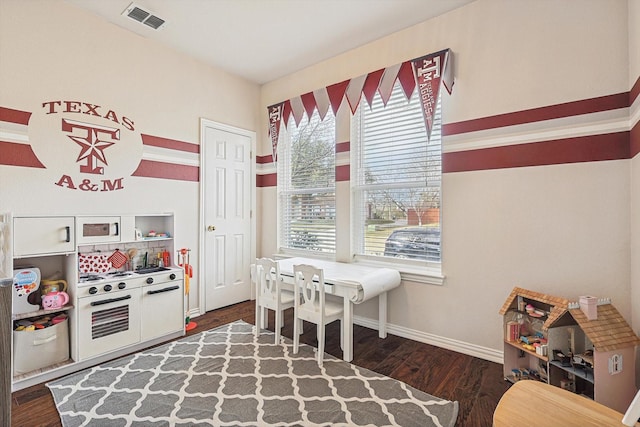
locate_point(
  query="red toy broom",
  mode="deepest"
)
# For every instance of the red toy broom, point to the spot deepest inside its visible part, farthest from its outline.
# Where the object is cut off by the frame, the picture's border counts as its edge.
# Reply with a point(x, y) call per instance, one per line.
point(183, 257)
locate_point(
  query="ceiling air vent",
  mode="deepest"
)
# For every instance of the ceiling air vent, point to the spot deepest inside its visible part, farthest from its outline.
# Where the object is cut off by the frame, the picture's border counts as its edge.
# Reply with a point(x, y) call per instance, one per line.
point(144, 16)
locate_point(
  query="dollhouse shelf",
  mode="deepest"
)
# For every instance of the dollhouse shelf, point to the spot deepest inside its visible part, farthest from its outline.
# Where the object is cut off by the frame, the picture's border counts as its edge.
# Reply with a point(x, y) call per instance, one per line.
point(570, 334)
point(532, 353)
point(575, 371)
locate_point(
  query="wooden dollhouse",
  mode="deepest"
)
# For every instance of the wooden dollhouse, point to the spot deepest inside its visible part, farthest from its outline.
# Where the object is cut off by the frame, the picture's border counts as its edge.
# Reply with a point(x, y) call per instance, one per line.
point(586, 347)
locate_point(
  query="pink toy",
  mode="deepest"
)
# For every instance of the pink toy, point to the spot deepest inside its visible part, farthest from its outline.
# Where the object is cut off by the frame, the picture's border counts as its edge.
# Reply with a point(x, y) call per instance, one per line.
point(54, 300)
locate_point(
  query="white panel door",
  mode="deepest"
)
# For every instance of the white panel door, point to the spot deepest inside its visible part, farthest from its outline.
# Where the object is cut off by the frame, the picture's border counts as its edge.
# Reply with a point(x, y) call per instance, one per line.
point(227, 216)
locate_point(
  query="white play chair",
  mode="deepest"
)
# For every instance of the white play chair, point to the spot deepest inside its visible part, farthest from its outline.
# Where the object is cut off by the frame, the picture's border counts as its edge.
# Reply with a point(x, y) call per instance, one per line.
point(269, 295)
point(312, 306)
point(632, 414)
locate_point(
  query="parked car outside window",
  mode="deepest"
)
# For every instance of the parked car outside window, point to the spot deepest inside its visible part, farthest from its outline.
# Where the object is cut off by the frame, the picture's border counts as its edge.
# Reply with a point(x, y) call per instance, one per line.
point(414, 243)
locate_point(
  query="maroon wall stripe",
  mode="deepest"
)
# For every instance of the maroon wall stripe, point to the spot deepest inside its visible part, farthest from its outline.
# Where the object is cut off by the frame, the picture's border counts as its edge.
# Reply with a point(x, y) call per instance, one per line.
point(153, 169)
point(568, 109)
point(342, 147)
point(14, 116)
point(14, 154)
point(634, 141)
point(593, 148)
point(635, 91)
point(267, 180)
point(343, 173)
point(172, 144)
point(261, 160)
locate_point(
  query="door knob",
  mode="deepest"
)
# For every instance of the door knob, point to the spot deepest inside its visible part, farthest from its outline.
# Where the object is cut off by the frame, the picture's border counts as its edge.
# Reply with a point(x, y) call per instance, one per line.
point(211, 228)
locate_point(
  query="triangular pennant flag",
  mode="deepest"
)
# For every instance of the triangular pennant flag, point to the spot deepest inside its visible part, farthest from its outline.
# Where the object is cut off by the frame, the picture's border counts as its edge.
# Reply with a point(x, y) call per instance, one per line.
point(407, 80)
point(309, 102)
point(297, 109)
point(447, 74)
point(371, 85)
point(275, 120)
point(322, 102)
point(286, 112)
point(354, 92)
point(428, 74)
point(336, 93)
point(386, 83)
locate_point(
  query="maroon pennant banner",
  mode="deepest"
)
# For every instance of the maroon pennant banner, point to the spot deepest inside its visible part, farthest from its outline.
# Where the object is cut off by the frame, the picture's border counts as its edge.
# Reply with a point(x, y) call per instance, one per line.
point(336, 93)
point(286, 112)
point(371, 85)
point(407, 79)
point(275, 120)
point(429, 71)
point(309, 102)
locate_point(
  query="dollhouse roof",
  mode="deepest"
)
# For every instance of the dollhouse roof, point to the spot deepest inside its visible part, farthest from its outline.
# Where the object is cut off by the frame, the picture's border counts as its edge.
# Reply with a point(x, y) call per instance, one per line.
point(609, 332)
point(558, 305)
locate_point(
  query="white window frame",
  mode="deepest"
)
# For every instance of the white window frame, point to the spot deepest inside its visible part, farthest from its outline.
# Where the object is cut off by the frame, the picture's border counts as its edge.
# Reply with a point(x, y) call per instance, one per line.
point(412, 270)
point(285, 190)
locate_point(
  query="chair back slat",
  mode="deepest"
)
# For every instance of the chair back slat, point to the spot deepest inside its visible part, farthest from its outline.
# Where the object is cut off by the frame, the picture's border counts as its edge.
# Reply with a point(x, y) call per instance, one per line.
point(268, 272)
point(310, 287)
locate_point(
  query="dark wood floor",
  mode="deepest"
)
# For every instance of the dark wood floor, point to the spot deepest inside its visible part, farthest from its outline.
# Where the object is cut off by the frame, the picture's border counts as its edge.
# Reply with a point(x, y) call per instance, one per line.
point(475, 383)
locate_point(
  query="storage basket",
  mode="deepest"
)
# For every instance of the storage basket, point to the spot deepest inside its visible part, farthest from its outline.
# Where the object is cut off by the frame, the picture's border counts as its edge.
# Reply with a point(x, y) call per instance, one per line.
point(40, 348)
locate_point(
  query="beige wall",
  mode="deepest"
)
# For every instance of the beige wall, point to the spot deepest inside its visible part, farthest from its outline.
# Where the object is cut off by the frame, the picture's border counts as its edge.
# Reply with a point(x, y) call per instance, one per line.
point(561, 229)
point(50, 50)
point(634, 75)
point(510, 56)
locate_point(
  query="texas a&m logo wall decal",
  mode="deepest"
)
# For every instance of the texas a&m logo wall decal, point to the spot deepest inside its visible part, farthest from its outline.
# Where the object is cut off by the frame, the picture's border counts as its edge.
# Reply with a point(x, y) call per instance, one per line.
point(87, 146)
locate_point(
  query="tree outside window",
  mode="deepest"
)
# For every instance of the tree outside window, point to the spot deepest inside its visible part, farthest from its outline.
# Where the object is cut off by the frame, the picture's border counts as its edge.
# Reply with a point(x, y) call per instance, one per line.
point(306, 185)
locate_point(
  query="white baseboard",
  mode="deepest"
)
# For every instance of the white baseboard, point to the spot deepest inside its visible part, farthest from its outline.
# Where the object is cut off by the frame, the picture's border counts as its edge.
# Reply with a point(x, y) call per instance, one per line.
point(438, 341)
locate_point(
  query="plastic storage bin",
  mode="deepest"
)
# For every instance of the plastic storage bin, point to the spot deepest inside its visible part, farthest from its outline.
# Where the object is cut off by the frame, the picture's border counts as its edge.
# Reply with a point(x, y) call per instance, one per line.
point(40, 348)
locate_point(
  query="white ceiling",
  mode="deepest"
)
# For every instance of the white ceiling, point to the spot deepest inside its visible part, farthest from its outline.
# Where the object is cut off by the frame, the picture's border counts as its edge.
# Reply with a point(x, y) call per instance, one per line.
point(262, 40)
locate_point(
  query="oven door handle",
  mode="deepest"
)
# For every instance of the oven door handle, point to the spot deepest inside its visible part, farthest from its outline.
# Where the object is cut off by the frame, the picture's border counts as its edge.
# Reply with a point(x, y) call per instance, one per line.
point(158, 291)
point(109, 301)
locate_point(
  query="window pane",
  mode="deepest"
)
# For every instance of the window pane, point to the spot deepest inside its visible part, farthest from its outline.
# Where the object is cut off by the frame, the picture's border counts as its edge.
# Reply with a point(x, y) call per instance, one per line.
point(401, 223)
point(306, 185)
point(397, 180)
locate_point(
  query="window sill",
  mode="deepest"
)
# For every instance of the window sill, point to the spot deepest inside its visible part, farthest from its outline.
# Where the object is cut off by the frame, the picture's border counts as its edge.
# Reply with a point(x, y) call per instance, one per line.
point(425, 276)
point(428, 275)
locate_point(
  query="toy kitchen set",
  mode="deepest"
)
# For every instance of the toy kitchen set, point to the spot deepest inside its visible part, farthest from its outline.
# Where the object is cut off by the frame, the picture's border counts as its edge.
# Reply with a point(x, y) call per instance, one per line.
point(87, 289)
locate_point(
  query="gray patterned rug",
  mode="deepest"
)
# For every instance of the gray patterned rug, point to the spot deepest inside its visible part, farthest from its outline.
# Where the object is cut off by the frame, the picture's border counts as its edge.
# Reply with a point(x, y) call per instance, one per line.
point(225, 377)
